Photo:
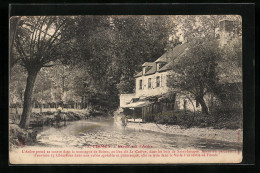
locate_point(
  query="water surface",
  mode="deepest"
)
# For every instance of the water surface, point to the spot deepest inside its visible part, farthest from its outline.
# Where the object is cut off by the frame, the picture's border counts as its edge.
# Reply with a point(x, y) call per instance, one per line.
point(88, 133)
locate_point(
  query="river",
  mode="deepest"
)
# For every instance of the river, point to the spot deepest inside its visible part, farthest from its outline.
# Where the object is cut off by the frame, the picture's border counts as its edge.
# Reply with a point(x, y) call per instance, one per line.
point(88, 133)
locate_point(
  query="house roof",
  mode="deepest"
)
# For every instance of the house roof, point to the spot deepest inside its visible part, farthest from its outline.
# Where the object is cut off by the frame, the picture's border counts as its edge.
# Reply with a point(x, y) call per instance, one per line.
point(174, 53)
point(138, 104)
point(173, 56)
point(148, 64)
point(152, 70)
point(167, 57)
point(166, 67)
point(139, 74)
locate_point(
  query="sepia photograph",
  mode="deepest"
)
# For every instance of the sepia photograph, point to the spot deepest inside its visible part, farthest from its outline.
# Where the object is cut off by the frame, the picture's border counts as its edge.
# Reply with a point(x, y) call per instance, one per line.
point(125, 89)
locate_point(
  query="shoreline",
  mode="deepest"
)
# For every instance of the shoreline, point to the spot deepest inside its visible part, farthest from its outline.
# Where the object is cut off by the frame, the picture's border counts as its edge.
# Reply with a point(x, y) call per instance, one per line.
point(226, 135)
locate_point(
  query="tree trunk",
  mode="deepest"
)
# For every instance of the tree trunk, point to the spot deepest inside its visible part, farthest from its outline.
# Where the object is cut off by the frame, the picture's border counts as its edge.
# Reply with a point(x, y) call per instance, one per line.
point(41, 108)
point(82, 102)
point(174, 100)
point(204, 107)
point(16, 109)
point(28, 95)
point(41, 101)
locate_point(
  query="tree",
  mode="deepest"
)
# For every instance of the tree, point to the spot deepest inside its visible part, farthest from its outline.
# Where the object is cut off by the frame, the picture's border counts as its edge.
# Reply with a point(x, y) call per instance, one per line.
point(40, 42)
point(112, 49)
point(126, 84)
point(61, 77)
point(229, 71)
point(140, 39)
point(194, 73)
point(42, 88)
point(17, 84)
point(198, 74)
point(230, 66)
point(15, 22)
point(190, 27)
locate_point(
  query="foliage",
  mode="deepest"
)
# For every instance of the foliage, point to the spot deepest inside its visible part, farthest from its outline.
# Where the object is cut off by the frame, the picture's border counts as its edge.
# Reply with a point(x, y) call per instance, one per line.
point(195, 72)
point(112, 49)
point(169, 119)
point(39, 42)
point(17, 82)
point(222, 118)
point(230, 65)
point(15, 22)
point(205, 27)
point(119, 45)
point(125, 85)
point(97, 56)
point(206, 65)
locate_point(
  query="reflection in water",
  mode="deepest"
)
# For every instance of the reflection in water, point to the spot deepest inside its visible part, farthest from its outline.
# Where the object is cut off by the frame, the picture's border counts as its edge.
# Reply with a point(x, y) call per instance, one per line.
point(87, 133)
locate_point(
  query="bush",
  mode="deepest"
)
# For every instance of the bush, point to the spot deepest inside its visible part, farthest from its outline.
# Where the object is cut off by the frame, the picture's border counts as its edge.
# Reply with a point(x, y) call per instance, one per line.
point(185, 119)
point(170, 119)
point(150, 118)
point(221, 117)
point(19, 136)
point(226, 117)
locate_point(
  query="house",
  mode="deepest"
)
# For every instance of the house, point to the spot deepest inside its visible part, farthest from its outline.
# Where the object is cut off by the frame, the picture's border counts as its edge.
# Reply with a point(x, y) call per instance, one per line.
point(151, 83)
point(151, 88)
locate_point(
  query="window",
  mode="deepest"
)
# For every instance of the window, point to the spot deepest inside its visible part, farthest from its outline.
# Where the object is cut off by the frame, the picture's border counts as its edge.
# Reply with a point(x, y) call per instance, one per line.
point(160, 65)
point(149, 83)
point(158, 81)
point(140, 84)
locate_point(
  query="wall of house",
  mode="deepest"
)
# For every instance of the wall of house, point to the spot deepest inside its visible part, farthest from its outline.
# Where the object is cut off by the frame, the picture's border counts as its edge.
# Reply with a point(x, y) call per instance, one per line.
point(145, 91)
point(125, 99)
point(190, 103)
point(209, 99)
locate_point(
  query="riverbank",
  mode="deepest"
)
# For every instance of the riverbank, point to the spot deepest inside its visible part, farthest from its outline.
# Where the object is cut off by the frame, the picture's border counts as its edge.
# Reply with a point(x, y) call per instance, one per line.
point(227, 135)
point(21, 137)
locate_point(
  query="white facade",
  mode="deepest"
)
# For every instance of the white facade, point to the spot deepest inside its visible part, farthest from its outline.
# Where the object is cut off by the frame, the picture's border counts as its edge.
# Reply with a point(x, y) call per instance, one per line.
point(144, 90)
point(183, 101)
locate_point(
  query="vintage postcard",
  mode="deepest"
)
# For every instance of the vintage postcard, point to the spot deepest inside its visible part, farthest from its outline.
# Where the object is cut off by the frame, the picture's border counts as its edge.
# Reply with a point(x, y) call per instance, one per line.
point(125, 89)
